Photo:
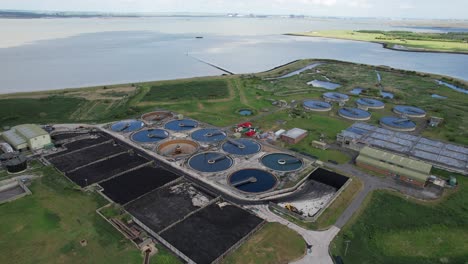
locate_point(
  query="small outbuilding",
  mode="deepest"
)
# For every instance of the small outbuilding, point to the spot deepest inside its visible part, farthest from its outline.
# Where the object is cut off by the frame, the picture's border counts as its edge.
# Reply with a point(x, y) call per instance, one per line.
point(294, 135)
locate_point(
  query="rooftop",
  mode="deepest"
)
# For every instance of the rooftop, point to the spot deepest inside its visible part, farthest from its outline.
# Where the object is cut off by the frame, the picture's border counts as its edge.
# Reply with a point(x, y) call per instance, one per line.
point(30, 130)
point(397, 160)
point(13, 138)
point(440, 153)
point(295, 132)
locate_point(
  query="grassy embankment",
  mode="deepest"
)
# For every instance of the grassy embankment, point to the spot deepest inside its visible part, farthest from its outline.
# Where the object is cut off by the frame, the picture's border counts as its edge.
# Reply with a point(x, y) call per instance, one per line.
point(391, 228)
point(47, 227)
point(401, 40)
point(273, 244)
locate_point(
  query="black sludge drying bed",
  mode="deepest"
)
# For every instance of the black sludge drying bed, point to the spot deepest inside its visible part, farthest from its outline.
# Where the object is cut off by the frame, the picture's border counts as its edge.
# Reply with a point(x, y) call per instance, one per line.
point(127, 126)
point(80, 144)
point(209, 135)
point(150, 135)
point(241, 146)
point(282, 162)
point(210, 162)
point(167, 205)
point(133, 184)
point(252, 180)
point(209, 233)
point(67, 162)
point(103, 170)
point(181, 125)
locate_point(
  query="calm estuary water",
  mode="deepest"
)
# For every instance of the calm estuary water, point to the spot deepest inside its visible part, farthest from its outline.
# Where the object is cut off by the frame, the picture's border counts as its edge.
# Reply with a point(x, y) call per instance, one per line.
point(62, 53)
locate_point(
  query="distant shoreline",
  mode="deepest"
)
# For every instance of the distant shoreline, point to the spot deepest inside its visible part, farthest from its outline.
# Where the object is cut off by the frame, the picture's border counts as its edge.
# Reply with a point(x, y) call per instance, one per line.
point(384, 45)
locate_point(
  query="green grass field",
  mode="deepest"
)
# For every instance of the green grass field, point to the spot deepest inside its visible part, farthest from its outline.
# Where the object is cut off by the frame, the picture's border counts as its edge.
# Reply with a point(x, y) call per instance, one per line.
point(190, 90)
point(394, 229)
point(423, 42)
point(47, 227)
point(273, 244)
point(49, 109)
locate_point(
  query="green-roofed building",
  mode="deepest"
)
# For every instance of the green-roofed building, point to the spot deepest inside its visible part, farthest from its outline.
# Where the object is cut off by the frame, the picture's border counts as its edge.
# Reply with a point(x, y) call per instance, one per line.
point(27, 136)
point(390, 164)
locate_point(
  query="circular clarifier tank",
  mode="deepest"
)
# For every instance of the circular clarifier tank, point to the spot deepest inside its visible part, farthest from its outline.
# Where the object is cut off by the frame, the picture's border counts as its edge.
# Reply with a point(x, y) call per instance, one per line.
point(181, 125)
point(177, 148)
point(252, 180)
point(209, 135)
point(370, 103)
point(156, 116)
point(353, 113)
point(282, 162)
point(316, 105)
point(241, 146)
point(397, 124)
point(210, 162)
point(410, 111)
point(150, 135)
point(127, 126)
point(335, 97)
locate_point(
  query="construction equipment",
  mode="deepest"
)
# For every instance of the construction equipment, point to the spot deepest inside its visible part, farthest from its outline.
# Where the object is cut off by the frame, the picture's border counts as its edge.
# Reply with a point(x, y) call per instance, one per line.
point(292, 208)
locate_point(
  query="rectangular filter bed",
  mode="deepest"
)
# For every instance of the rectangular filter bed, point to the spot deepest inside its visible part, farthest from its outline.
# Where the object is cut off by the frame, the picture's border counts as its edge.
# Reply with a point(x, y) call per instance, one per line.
point(209, 233)
point(133, 184)
point(67, 162)
point(164, 206)
point(80, 144)
point(103, 170)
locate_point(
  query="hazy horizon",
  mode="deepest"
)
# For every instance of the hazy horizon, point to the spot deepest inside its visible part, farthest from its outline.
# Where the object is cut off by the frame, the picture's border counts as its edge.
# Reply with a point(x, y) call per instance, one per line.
point(399, 9)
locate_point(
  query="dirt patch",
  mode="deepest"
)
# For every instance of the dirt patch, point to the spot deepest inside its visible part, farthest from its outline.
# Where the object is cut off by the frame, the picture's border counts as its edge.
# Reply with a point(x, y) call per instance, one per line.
point(116, 93)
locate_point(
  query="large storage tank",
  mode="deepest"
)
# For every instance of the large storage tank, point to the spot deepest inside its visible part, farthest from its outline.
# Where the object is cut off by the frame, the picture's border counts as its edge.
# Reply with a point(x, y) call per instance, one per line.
point(17, 164)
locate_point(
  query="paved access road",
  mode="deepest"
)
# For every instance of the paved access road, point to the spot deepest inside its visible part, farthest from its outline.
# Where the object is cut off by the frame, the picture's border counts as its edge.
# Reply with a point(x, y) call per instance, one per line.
point(320, 240)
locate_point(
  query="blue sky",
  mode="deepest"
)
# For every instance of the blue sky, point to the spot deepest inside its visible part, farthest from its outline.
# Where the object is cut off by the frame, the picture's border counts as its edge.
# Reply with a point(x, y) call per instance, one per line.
point(456, 9)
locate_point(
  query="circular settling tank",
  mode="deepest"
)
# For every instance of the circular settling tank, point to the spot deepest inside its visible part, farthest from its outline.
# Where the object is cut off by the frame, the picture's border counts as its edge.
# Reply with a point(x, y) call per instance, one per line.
point(241, 146)
point(354, 113)
point(16, 164)
point(282, 162)
point(181, 125)
point(410, 111)
point(127, 126)
point(316, 105)
point(210, 162)
point(177, 148)
point(370, 103)
point(150, 135)
point(252, 180)
point(209, 135)
point(156, 116)
point(245, 112)
point(398, 124)
point(335, 97)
